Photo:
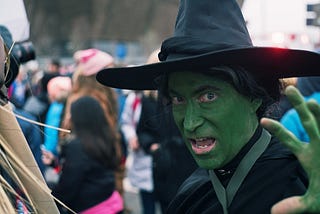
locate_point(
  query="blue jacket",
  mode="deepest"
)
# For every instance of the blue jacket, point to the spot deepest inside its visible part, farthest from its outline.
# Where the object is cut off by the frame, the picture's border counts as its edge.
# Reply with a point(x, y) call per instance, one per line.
point(53, 118)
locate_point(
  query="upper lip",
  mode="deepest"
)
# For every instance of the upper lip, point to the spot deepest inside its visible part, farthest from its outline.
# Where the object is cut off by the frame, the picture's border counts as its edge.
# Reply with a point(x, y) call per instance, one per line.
point(200, 139)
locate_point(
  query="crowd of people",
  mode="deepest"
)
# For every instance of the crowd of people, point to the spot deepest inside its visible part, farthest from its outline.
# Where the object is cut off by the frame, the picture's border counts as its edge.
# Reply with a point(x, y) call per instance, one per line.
point(186, 132)
point(98, 164)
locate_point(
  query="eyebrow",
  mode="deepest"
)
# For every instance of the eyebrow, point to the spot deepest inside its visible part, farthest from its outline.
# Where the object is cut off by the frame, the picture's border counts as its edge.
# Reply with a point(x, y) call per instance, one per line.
point(206, 87)
point(199, 89)
point(172, 92)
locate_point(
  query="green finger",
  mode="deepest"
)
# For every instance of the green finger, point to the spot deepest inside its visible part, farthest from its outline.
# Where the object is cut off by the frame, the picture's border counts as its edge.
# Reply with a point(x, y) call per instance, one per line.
point(294, 95)
point(314, 107)
point(306, 116)
point(285, 136)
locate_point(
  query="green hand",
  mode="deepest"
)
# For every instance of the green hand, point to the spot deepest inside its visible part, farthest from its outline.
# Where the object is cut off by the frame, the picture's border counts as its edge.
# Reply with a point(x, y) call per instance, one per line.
point(307, 154)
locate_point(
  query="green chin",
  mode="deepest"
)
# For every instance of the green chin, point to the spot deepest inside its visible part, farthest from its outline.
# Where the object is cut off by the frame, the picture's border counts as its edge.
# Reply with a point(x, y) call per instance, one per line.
point(207, 161)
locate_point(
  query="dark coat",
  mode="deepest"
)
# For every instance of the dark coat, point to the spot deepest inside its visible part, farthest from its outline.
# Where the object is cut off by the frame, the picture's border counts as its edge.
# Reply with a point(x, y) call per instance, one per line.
point(148, 126)
point(84, 182)
point(276, 175)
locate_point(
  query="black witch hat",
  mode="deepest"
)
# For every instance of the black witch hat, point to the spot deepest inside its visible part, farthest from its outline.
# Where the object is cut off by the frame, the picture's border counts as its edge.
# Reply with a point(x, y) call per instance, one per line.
point(211, 33)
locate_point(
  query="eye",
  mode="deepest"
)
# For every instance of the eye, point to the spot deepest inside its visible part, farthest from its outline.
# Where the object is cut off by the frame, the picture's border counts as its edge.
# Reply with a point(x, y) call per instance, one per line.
point(177, 100)
point(207, 97)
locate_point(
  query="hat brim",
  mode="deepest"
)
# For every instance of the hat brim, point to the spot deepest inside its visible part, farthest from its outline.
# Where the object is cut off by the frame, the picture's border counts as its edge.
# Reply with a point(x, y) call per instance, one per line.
point(259, 61)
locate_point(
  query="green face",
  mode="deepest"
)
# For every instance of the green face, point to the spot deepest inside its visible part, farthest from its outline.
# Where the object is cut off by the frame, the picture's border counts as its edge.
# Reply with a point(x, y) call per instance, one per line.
point(214, 119)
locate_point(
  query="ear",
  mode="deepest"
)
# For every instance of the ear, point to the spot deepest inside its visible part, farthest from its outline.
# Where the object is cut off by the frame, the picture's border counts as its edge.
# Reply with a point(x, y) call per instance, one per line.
point(256, 103)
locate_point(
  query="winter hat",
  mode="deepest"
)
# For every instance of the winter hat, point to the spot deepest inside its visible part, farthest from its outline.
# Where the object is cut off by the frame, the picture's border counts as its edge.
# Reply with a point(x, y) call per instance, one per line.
point(90, 61)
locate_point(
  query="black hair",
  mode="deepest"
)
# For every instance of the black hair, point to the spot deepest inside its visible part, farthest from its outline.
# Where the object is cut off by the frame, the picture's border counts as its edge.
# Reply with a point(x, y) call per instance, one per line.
point(92, 129)
point(267, 89)
point(55, 62)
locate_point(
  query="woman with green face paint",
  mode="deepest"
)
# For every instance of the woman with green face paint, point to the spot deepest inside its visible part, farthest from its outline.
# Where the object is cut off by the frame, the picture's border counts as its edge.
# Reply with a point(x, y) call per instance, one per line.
point(220, 89)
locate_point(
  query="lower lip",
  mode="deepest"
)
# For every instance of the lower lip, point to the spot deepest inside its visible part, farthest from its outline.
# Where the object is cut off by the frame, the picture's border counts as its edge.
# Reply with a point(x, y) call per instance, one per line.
point(201, 151)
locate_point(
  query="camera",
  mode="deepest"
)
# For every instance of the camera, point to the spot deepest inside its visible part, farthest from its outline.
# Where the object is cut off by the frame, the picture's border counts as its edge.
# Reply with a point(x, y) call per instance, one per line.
point(21, 52)
point(24, 51)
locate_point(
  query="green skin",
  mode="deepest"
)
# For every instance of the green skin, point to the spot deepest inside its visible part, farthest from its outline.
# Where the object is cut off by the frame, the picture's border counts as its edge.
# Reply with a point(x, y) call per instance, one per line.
point(196, 98)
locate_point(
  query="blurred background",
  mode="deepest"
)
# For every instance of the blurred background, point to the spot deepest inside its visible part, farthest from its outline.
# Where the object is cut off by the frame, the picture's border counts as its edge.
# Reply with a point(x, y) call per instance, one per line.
point(131, 29)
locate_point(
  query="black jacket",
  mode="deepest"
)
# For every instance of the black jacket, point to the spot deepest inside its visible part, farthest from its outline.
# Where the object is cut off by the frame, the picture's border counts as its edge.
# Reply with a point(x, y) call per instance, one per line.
point(148, 126)
point(84, 182)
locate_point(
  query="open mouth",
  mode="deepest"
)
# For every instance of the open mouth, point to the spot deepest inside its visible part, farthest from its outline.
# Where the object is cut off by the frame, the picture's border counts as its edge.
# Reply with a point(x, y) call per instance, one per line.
point(202, 145)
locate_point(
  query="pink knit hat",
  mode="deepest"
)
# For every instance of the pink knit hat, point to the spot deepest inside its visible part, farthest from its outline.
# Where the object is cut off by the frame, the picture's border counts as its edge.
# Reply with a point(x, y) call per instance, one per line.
point(90, 61)
point(59, 86)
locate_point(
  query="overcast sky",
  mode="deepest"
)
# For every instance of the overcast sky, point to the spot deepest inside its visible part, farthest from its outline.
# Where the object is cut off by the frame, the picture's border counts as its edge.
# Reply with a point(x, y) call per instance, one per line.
point(287, 16)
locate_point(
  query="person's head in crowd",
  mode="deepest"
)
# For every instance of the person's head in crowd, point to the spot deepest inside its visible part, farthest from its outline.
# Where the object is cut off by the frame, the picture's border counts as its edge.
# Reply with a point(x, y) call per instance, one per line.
point(54, 66)
point(94, 132)
point(59, 88)
point(88, 63)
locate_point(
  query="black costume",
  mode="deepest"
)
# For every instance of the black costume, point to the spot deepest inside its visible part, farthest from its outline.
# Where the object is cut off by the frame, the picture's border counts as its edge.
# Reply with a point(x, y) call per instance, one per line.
point(276, 175)
point(84, 181)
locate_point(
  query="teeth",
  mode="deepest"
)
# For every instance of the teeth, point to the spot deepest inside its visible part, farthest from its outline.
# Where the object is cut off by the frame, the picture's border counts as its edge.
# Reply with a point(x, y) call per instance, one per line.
point(201, 147)
point(201, 139)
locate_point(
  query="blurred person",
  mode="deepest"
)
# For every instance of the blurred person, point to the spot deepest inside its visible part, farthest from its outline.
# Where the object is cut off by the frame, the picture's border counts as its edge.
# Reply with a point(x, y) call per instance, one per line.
point(140, 129)
point(122, 96)
point(54, 66)
point(222, 91)
point(88, 63)
point(17, 91)
point(53, 70)
point(59, 89)
point(38, 103)
point(87, 181)
point(34, 74)
point(306, 85)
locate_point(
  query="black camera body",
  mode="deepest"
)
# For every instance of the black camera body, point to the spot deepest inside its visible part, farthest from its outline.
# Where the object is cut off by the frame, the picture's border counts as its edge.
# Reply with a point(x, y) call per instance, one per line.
point(21, 52)
point(24, 51)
